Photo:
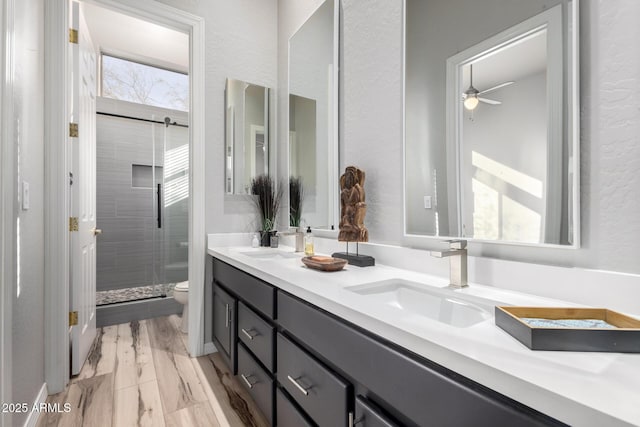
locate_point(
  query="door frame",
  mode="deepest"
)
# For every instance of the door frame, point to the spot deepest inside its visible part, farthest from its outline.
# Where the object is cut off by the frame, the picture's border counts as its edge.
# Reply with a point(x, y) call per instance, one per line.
point(7, 206)
point(57, 167)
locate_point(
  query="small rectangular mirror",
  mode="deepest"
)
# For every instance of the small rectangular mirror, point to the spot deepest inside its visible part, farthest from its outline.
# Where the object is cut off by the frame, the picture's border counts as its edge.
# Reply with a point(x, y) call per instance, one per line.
point(247, 141)
point(313, 111)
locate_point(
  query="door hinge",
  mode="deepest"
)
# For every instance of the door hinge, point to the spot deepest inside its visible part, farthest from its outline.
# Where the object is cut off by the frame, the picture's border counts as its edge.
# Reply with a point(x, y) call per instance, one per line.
point(73, 223)
point(73, 318)
point(73, 130)
point(73, 36)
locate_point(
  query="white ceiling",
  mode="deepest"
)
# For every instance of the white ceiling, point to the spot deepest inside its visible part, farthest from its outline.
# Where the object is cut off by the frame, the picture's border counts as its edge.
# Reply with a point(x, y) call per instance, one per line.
point(517, 61)
point(132, 38)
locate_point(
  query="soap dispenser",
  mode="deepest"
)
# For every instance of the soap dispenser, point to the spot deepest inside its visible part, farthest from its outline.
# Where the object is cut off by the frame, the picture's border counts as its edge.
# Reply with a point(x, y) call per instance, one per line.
point(308, 242)
point(255, 242)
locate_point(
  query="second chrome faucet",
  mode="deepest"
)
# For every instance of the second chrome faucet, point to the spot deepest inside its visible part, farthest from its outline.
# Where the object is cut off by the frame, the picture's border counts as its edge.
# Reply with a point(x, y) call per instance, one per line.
point(457, 254)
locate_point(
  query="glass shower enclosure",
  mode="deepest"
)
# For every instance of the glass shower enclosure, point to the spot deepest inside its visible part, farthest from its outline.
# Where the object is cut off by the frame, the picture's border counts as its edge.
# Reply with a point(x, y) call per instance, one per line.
point(142, 201)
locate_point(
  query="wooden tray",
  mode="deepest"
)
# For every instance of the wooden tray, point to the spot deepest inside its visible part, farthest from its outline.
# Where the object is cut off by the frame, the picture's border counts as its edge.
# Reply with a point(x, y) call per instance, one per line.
point(324, 263)
point(623, 338)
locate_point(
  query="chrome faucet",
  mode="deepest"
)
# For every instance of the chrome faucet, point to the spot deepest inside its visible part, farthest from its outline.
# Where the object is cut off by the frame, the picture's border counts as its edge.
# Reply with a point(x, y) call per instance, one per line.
point(457, 263)
point(299, 238)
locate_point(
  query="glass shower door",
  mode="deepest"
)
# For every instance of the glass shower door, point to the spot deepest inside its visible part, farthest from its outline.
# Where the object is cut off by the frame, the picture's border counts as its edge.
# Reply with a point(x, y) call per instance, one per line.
point(171, 245)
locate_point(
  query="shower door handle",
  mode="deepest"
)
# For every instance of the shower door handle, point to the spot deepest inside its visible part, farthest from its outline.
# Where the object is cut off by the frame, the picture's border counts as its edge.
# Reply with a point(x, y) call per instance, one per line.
point(159, 197)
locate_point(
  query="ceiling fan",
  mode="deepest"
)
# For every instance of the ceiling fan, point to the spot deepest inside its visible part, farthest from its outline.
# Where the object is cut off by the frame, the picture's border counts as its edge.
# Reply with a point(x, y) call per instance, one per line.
point(471, 98)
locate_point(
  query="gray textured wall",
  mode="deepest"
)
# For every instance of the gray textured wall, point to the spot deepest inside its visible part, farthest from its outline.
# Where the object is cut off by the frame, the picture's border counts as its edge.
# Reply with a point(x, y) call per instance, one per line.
point(132, 251)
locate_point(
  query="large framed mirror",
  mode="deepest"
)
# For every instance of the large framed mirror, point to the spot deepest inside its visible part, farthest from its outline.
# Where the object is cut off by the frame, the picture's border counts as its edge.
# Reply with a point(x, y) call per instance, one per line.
point(247, 137)
point(491, 121)
point(313, 119)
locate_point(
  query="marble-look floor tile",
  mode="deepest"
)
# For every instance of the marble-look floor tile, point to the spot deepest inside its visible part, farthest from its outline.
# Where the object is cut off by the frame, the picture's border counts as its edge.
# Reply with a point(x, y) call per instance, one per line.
point(91, 402)
point(134, 363)
point(179, 385)
point(138, 406)
point(176, 320)
point(102, 356)
point(112, 389)
point(231, 402)
point(198, 415)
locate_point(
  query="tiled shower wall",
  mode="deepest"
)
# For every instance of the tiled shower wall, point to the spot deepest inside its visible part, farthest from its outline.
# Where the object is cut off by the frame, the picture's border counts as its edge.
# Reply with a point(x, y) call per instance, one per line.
point(127, 253)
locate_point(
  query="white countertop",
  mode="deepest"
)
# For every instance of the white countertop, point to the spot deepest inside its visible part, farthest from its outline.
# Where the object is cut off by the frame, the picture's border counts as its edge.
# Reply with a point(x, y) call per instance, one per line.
point(578, 388)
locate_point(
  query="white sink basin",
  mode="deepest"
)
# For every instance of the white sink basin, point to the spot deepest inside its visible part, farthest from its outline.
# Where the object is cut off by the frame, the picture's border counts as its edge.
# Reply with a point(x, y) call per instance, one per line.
point(414, 299)
point(267, 254)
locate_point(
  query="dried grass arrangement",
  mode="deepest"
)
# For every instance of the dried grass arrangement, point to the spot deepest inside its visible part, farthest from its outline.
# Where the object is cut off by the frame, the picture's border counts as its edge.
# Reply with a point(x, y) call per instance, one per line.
point(266, 201)
point(296, 198)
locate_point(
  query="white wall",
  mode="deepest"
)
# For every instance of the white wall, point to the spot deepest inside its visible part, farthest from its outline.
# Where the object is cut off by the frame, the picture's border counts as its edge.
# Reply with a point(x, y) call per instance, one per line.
point(28, 124)
point(610, 155)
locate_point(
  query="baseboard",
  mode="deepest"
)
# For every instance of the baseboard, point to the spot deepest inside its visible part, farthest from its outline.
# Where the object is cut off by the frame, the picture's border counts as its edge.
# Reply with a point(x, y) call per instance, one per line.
point(115, 314)
point(32, 419)
point(210, 347)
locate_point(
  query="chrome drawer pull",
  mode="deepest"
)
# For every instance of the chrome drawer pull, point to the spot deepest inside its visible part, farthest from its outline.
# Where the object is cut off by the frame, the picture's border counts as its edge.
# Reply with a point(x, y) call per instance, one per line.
point(226, 315)
point(246, 380)
point(248, 334)
point(297, 384)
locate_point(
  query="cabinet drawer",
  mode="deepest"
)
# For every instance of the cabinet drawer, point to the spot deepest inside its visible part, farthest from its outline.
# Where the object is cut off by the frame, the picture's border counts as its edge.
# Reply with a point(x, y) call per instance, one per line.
point(401, 381)
point(257, 293)
point(321, 393)
point(256, 334)
point(368, 416)
point(257, 382)
point(287, 415)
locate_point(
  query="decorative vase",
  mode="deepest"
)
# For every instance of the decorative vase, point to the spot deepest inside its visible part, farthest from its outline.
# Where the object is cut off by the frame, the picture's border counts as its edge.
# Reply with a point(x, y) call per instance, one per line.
point(265, 238)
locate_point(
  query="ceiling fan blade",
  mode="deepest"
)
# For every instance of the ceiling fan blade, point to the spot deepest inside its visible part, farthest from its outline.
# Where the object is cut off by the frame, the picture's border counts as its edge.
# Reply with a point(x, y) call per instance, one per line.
point(501, 85)
point(490, 101)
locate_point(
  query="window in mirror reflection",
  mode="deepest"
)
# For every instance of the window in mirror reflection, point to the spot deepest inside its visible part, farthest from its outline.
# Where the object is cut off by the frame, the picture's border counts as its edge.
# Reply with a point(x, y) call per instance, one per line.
point(511, 85)
point(489, 120)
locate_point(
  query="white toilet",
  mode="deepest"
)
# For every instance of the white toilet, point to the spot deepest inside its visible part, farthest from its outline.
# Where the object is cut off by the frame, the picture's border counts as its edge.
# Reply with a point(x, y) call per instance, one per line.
point(181, 294)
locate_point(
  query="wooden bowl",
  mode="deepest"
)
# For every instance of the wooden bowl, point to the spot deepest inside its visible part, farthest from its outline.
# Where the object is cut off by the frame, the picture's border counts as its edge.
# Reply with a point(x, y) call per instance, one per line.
point(324, 263)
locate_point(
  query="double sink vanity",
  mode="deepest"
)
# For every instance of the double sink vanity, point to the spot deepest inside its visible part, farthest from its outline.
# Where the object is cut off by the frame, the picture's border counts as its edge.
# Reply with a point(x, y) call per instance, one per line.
point(383, 346)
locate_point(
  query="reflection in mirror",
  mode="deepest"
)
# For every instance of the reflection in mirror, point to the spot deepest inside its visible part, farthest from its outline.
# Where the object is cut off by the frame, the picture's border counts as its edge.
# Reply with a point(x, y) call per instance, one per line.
point(246, 134)
point(490, 123)
point(313, 154)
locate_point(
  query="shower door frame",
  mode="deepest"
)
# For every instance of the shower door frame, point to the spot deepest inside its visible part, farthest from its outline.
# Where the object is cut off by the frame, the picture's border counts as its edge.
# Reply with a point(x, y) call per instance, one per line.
point(57, 167)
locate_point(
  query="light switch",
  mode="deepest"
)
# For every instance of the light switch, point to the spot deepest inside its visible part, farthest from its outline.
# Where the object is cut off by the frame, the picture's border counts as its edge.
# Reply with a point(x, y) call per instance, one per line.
point(427, 202)
point(25, 195)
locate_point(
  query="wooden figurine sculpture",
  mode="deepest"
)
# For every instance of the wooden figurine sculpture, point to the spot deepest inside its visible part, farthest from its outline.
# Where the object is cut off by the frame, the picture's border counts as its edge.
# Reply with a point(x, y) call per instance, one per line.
point(352, 206)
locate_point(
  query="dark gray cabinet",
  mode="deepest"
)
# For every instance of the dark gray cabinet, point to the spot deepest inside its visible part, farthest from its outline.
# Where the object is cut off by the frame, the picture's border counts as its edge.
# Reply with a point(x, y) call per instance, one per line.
point(318, 390)
point(317, 369)
point(257, 334)
point(287, 414)
point(243, 312)
point(257, 382)
point(253, 291)
point(368, 416)
point(224, 309)
point(414, 390)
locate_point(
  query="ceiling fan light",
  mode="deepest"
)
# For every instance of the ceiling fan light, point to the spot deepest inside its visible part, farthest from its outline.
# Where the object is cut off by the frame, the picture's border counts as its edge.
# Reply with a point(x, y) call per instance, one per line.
point(471, 101)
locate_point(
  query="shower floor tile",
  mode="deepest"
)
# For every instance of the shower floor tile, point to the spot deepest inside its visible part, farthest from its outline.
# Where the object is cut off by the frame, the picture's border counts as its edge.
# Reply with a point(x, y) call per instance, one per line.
point(132, 294)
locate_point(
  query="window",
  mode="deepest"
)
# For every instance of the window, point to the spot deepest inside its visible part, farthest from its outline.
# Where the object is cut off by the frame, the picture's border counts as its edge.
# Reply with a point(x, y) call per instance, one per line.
point(144, 84)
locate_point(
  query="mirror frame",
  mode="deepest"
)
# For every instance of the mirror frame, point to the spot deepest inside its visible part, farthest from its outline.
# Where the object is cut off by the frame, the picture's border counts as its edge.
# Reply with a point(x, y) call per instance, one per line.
point(334, 125)
point(572, 142)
